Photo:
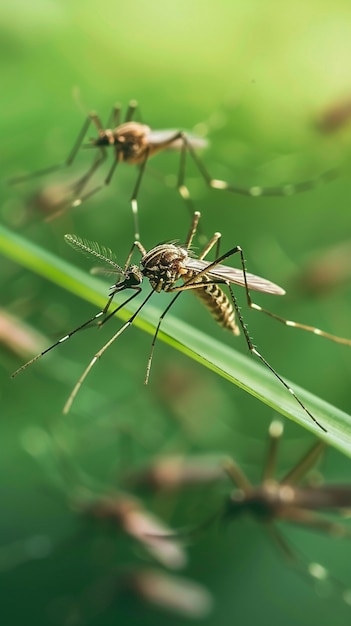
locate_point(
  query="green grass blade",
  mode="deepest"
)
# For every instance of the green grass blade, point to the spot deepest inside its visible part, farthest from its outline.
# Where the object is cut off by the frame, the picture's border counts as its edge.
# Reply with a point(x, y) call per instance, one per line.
point(243, 371)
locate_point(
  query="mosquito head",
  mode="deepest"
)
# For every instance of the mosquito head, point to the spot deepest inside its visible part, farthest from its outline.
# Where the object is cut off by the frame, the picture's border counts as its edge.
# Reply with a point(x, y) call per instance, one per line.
point(106, 138)
point(132, 279)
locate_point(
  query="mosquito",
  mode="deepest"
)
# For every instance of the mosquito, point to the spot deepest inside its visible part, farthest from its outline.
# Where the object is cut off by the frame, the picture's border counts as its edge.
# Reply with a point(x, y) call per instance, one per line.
point(285, 500)
point(276, 500)
point(134, 143)
point(163, 266)
point(334, 117)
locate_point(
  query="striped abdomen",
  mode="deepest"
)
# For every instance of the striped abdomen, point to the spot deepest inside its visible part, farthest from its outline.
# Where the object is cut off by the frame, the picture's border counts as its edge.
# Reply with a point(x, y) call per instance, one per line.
point(216, 301)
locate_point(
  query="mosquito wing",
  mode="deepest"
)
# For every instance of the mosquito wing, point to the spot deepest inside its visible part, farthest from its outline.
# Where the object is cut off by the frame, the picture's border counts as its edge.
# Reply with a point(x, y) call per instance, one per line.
point(93, 249)
point(162, 136)
point(233, 275)
point(323, 497)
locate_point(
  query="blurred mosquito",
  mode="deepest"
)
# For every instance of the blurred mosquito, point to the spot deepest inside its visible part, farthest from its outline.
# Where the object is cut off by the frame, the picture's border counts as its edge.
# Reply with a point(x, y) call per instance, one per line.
point(126, 512)
point(164, 266)
point(134, 143)
point(274, 500)
point(334, 117)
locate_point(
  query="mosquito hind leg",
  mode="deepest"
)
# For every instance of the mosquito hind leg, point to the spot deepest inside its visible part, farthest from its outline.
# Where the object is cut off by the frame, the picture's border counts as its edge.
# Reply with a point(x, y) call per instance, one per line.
point(256, 190)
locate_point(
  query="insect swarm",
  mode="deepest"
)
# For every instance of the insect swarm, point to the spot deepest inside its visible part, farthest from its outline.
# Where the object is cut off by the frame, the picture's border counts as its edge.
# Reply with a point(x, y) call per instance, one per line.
point(135, 143)
point(163, 266)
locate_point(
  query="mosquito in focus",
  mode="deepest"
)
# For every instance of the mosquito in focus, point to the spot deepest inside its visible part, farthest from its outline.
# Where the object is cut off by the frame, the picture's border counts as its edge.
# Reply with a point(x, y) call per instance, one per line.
point(163, 266)
point(135, 143)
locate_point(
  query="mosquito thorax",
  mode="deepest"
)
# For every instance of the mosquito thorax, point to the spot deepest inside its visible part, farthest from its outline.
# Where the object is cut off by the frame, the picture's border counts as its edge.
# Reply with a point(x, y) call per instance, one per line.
point(263, 502)
point(131, 141)
point(164, 265)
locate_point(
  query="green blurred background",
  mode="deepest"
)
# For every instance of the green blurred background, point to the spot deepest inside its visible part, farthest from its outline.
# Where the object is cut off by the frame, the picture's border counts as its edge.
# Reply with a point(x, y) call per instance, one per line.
point(257, 76)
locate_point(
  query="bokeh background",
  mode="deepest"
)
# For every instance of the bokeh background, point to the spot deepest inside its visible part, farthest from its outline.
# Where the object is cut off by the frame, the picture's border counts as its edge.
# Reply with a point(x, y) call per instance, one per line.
point(257, 78)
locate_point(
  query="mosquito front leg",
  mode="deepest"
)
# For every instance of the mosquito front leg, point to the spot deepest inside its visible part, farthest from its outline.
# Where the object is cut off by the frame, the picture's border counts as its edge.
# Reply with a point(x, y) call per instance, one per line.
point(120, 306)
point(69, 161)
point(97, 356)
point(65, 337)
point(148, 367)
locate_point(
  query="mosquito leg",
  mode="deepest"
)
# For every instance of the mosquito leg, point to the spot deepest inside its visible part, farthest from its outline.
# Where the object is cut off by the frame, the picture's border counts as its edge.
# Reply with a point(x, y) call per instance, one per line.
point(292, 324)
point(193, 229)
point(132, 106)
point(97, 356)
point(256, 190)
point(148, 367)
point(282, 543)
point(68, 336)
point(82, 182)
point(121, 306)
point(136, 244)
point(254, 351)
point(70, 159)
point(107, 181)
point(257, 307)
point(314, 571)
point(237, 476)
point(96, 120)
point(275, 433)
point(214, 241)
point(317, 522)
point(114, 119)
point(182, 188)
point(304, 465)
point(78, 186)
point(193, 283)
point(133, 199)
